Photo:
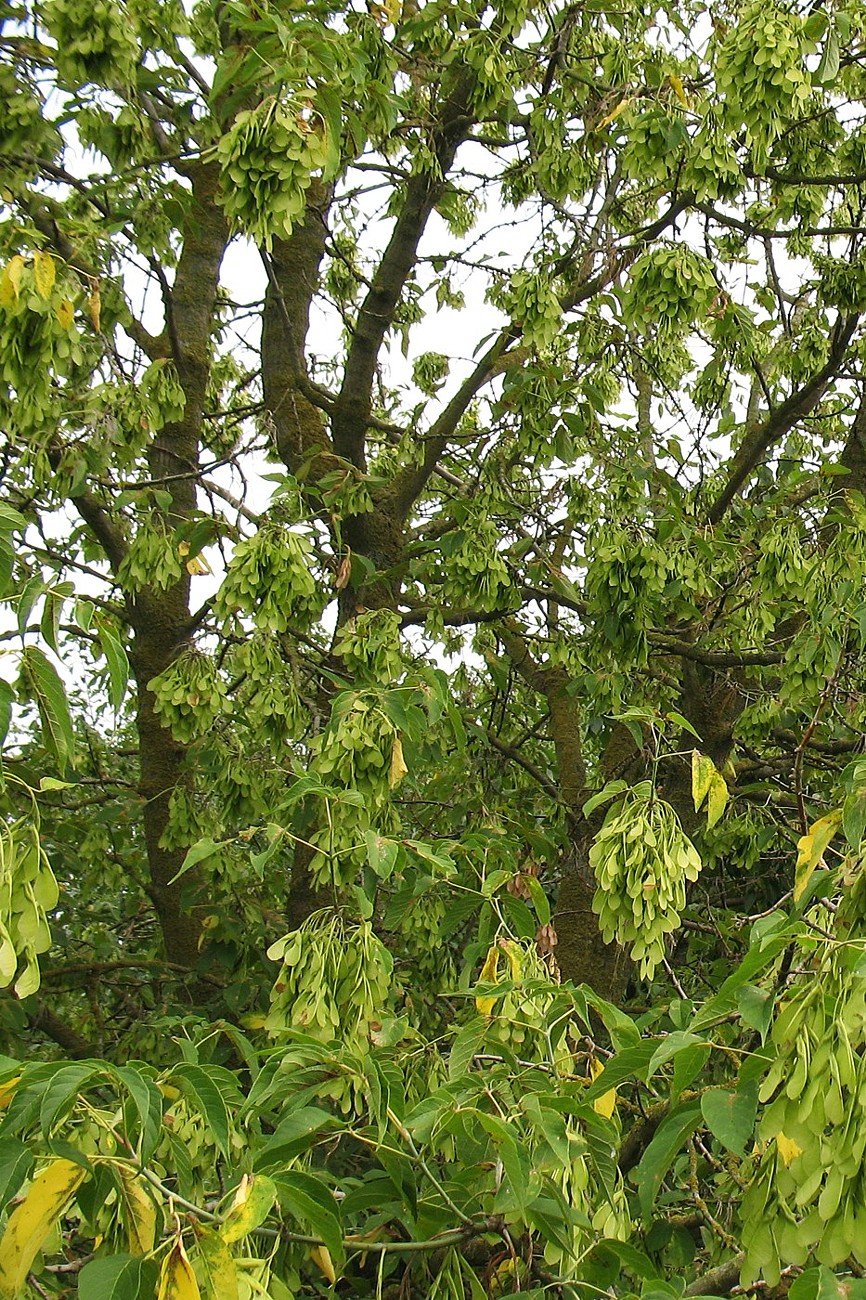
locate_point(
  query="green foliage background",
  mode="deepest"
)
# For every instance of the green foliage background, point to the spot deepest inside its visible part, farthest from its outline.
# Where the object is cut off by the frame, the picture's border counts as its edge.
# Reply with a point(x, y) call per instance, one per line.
point(432, 700)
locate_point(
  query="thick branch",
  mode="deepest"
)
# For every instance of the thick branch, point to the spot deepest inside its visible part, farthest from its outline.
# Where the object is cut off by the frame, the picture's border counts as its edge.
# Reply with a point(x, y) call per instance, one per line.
point(352, 410)
point(293, 275)
point(758, 441)
point(46, 1022)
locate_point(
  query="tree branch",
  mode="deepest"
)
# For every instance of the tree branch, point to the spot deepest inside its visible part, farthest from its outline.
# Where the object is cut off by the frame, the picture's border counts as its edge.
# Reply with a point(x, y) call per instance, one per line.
point(758, 441)
point(352, 408)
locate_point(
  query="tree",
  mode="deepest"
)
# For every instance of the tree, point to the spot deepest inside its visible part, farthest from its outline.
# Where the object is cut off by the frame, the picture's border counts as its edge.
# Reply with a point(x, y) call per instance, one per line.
point(438, 647)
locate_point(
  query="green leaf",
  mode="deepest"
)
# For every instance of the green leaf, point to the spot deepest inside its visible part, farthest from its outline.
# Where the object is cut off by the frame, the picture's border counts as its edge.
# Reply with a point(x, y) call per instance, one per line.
point(610, 791)
point(61, 1093)
point(7, 695)
point(515, 1161)
point(310, 1202)
point(52, 608)
point(198, 852)
point(465, 1046)
point(828, 68)
point(660, 1154)
point(630, 1063)
point(16, 1161)
point(33, 589)
point(724, 1001)
point(117, 662)
point(118, 1277)
point(293, 1135)
point(822, 1284)
point(730, 1116)
point(148, 1102)
point(680, 721)
point(670, 1047)
point(381, 854)
point(540, 901)
point(199, 1088)
point(39, 679)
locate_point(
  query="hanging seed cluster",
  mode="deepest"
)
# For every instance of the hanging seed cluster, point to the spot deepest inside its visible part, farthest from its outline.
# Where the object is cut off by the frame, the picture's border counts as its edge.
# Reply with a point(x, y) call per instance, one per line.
point(642, 859)
point(809, 1192)
point(28, 891)
point(190, 696)
point(270, 577)
point(335, 983)
point(267, 158)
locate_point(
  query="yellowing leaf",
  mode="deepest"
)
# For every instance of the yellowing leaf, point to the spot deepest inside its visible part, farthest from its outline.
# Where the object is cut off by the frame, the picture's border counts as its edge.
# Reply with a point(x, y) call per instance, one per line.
point(43, 273)
point(218, 1269)
point(139, 1212)
point(398, 766)
point(489, 975)
point(617, 112)
point(251, 1206)
point(604, 1105)
point(788, 1148)
point(703, 771)
point(65, 313)
point(10, 281)
point(322, 1256)
point(716, 799)
point(7, 1091)
point(94, 305)
point(515, 958)
point(176, 1278)
point(811, 848)
point(677, 87)
point(30, 1223)
point(709, 784)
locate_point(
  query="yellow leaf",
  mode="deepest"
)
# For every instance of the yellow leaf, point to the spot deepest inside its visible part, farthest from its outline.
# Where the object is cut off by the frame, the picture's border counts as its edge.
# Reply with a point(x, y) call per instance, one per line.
point(716, 799)
point(139, 1212)
point(176, 1278)
point(322, 1256)
point(617, 112)
point(677, 87)
point(218, 1269)
point(10, 282)
point(489, 975)
point(811, 848)
point(703, 771)
point(604, 1105)
point(65, 313)
point(251, 1206)
point(30, 1223)
point(709, 784)
point(94, 305)
point(515, 958)
point(398, 766)
point(788, 1148)
point(43, 273)
point(7, 1091)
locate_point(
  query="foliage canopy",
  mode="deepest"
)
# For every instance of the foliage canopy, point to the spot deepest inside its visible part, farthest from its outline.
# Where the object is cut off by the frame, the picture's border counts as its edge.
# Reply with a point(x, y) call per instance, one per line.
point(433, 571)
